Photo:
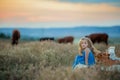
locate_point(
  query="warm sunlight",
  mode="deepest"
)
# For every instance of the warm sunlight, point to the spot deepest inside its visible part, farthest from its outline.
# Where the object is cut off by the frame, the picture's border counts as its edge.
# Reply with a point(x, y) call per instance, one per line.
point(24, 12)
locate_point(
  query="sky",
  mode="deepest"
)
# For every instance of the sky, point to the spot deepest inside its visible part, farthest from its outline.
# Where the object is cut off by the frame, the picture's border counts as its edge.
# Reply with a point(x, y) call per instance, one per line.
point(59, 13)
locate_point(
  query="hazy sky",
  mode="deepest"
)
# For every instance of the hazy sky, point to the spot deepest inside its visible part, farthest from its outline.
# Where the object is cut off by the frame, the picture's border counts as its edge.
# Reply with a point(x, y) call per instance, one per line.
point(59, 13)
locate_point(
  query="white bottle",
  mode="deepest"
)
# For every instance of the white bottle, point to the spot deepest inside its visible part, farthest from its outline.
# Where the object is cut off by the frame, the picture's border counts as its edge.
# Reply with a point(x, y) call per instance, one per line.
point(111, 51)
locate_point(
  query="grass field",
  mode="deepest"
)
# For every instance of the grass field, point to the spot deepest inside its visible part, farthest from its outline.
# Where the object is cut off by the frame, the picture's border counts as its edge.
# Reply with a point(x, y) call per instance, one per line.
point(34, 60)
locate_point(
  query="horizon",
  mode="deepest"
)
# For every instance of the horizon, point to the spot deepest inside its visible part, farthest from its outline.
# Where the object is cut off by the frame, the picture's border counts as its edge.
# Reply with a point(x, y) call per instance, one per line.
point(61, 32)
point(59, 13)
point(61, 27)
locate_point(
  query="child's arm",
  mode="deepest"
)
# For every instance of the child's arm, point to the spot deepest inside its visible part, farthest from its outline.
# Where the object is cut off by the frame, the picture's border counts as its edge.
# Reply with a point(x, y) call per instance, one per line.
point(86, 55)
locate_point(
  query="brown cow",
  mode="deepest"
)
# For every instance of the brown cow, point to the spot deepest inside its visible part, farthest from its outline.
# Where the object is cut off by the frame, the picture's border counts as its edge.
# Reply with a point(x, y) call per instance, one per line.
point(67, 39)
point(15, 37)
point(98, 37)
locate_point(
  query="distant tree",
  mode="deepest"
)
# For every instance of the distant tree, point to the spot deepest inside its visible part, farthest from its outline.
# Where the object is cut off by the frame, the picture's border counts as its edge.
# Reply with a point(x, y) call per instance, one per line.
point(2, 35)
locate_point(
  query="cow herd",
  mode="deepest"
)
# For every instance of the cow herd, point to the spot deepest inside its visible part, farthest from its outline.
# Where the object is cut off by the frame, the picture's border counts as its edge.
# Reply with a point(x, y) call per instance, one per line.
point(95, 38)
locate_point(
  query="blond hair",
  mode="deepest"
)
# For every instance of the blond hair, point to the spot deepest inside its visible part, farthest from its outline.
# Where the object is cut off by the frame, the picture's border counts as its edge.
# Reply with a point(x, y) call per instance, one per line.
point(90, 45)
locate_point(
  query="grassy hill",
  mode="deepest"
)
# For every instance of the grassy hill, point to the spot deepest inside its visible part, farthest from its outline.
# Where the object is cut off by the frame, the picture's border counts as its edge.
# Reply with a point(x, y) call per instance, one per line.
point(47, 61)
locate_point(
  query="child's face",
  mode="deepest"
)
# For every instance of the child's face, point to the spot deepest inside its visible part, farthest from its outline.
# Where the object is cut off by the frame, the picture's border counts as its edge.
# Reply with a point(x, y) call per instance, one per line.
point(84, 44)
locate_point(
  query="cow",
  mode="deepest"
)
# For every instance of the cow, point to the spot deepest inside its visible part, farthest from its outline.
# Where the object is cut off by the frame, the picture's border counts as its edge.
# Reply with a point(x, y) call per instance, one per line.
point(99, 37)
point(67, 39)
point(47, 39)
point(15, 37)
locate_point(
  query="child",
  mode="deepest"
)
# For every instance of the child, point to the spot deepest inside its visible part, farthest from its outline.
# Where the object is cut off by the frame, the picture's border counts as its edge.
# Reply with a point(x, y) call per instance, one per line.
point(85, 57)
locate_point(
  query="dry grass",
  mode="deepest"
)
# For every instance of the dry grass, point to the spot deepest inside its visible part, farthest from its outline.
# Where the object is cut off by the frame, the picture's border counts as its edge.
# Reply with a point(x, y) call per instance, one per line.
point(47, 61)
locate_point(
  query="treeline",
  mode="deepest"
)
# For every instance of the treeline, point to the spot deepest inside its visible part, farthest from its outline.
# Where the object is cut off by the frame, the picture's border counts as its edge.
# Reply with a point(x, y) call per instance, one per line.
point(2, 35)
point(7, 36)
